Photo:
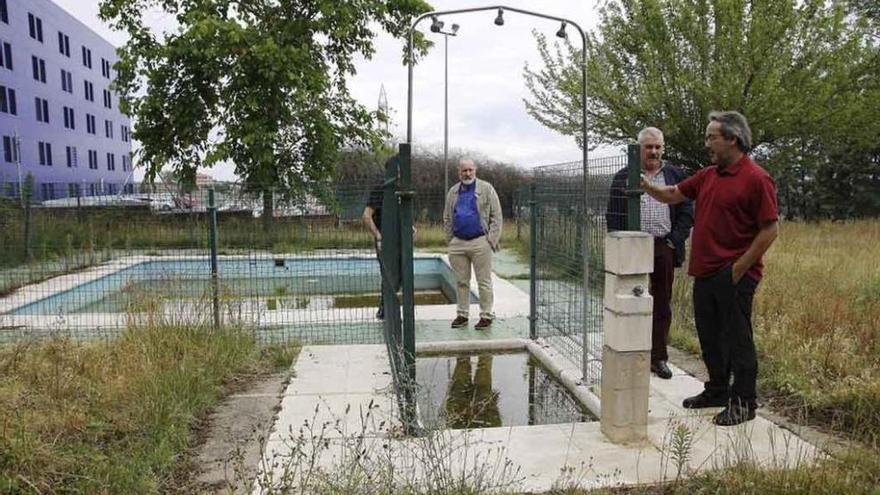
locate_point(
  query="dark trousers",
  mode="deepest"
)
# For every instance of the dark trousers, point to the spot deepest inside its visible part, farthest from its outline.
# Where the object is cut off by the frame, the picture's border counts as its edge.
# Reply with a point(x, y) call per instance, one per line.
point(723, 316)
point(381, 272)
point(661, 290)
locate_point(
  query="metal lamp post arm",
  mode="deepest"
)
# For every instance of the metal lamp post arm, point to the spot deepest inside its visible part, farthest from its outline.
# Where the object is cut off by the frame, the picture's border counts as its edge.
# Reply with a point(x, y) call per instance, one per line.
point(411, 56)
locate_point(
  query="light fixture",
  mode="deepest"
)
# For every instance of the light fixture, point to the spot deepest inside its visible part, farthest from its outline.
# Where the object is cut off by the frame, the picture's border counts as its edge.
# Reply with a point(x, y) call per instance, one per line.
point(436, 24)
point(454, 28)
point(561, 33)
point(499, 20)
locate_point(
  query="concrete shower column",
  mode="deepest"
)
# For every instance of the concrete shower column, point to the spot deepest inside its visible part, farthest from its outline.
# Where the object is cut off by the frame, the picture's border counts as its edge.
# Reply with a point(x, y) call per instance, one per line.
point(626, 353)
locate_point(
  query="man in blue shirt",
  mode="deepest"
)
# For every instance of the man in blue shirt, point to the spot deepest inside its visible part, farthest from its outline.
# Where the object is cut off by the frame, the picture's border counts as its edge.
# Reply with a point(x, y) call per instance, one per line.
point(472, 219)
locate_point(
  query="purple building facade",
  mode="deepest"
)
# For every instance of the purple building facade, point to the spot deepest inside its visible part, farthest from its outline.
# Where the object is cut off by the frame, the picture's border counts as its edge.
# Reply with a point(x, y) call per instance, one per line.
point(59, 119)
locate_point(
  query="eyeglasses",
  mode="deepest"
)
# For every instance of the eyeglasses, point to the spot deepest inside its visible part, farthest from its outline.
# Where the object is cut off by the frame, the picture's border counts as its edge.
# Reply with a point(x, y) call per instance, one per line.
point(711, 137)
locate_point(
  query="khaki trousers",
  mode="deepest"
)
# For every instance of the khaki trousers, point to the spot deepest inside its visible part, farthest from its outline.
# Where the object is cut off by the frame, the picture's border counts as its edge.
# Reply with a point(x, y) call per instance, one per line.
point(463, 254)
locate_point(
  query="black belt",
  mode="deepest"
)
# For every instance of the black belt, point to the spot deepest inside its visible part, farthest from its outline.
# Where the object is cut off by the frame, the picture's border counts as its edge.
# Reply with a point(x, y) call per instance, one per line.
point(471, 238)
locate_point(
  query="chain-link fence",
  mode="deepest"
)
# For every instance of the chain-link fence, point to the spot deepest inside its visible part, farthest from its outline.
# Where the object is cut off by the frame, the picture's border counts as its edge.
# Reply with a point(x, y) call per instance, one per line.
point(300, 268)
point(571, 217)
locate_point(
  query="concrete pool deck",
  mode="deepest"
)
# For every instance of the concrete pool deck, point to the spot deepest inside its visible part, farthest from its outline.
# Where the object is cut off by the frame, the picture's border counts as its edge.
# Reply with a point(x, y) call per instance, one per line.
point(358, 411)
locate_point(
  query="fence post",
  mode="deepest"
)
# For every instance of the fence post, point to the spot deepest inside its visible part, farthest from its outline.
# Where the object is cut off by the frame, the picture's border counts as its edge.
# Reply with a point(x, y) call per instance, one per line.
point(407, 282)
point(27, 231)
point(215, 282)
point(533, 264)
point(626, 354)
point(633, 191)
point(27, 193)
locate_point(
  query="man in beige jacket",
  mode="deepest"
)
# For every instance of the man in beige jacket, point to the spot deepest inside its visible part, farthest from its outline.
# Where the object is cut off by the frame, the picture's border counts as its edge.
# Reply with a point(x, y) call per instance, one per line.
point(472, 219)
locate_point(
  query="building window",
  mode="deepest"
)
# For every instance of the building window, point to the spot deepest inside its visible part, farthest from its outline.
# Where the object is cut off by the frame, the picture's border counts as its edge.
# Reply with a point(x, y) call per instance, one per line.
point(4, 12)
point(111, 161)
point(6, 55)
point(35, 27)
point(107, 99)
point(69, 121)
point(124, 133)
point(90, 123)
point(45, 151)
point(71, 156)
point(64, 44)
point(39, 67)
point(42, 107)
point(89, 90)
point(48, 190)
point(108, 129)
point(93, 159)
point(105, 67)
point(87, 57)
point(10, 149)
point(66, 81)
point(73, 190)
point(7, 101)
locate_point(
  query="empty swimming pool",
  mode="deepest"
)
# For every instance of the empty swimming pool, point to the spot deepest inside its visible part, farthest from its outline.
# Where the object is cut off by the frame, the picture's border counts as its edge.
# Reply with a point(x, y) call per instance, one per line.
point(288, 283)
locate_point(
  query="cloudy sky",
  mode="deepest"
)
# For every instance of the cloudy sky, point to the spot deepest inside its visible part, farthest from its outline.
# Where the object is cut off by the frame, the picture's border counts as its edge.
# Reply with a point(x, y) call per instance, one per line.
point(486, 87)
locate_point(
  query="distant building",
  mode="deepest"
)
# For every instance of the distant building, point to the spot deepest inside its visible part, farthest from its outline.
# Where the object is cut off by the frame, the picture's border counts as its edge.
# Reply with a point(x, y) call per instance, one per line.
point(204, 180)
point(59, 119)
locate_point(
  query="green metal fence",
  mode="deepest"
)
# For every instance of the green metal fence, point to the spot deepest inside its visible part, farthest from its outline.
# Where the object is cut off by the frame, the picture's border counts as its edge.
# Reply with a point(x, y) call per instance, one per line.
point(567, 237)
point(90, 268)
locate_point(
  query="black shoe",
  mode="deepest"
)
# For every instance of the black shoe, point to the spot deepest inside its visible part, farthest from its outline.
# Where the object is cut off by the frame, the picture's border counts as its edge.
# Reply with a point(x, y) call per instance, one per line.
point(483, 324)
point(734, 414)
point(380, 314)
point(702, 400)
point(459, 321)
point(661, 369)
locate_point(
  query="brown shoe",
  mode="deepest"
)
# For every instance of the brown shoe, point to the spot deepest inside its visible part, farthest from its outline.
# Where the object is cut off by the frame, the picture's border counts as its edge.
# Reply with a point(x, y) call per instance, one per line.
point(459, 321)
point(483, 324)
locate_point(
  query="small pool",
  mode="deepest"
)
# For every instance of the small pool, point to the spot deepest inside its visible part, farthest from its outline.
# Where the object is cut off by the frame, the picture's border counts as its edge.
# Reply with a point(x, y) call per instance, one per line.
point(488, 390)
point(266, 284)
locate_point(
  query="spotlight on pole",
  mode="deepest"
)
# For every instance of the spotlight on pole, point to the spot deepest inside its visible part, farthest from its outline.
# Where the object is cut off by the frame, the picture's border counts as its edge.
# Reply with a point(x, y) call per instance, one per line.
point(499, 20)
point(454, 28)
point(561, 33)
point(436, 24)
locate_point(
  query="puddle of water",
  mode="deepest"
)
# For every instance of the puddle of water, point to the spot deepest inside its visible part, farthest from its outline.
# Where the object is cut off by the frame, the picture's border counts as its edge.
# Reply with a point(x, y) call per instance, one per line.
point(490, 390)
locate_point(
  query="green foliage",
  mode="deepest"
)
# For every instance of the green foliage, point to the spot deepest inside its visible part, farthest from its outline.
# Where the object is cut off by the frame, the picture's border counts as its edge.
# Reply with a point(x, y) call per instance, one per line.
point(804, 73)
point(262, 84)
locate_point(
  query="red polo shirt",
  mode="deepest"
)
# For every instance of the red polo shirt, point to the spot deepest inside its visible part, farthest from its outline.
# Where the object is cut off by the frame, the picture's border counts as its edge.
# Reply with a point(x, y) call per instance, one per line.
point(730, 206)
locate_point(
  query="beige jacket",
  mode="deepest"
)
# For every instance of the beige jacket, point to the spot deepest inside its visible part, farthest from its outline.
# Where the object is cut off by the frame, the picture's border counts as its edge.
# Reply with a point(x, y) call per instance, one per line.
point(488, 205)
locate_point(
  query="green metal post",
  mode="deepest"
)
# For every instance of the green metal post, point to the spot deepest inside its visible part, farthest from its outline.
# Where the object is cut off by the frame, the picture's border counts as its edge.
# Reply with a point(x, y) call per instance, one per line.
point(633, 191)
point(215, 281)
point(533, 264)
point(407, 282)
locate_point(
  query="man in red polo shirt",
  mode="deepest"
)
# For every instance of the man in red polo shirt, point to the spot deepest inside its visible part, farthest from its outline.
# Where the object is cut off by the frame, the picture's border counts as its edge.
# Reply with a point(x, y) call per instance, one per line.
point(735, 224)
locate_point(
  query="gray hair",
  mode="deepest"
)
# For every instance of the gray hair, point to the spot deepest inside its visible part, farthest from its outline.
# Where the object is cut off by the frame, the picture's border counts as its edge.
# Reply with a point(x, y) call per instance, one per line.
point(734, 125)
point(652, 132)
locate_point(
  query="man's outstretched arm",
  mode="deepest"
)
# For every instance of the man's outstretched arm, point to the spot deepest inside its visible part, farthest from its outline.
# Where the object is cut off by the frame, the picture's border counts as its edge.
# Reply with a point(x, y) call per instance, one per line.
point(664, 194)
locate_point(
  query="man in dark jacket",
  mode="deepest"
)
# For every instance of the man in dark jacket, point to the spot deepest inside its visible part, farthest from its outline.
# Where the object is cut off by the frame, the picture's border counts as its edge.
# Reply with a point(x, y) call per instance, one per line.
point(670, 226)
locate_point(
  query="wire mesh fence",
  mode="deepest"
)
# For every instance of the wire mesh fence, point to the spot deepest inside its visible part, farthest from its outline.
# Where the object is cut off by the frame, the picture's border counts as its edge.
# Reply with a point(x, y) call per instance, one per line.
point(300, 268)
point(571, 217)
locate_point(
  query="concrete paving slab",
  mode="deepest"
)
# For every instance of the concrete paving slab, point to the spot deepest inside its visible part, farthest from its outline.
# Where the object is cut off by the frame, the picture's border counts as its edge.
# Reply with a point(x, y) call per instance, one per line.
point(546, 456)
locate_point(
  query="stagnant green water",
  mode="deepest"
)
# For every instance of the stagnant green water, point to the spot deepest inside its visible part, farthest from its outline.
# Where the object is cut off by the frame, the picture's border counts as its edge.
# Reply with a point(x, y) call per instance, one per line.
point(490, 390)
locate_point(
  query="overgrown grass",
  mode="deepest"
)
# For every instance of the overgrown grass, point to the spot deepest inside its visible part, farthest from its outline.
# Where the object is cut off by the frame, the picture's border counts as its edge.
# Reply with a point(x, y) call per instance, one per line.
point(114, 417)
point(855, 473)
point(815, 318)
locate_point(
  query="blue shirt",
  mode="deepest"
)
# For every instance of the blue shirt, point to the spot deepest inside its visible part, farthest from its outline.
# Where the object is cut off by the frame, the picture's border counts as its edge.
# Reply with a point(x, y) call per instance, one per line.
point(465, 216)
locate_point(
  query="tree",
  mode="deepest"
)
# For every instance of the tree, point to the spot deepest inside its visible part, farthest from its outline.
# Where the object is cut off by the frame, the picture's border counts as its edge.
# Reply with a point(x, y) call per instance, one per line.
point(261, 83)
point(794, 68)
